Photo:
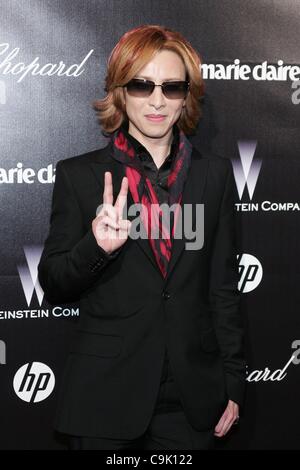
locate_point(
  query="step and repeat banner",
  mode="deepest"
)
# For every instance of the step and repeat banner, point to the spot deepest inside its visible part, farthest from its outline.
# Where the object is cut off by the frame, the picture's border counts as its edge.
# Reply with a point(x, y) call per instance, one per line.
point(53, 57)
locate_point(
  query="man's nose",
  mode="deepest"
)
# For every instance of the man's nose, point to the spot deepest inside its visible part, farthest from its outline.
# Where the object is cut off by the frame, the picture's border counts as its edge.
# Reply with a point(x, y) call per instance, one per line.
point(157, 97)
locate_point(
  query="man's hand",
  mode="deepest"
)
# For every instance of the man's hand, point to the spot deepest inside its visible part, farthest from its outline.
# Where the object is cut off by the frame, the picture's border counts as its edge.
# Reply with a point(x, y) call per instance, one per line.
point(109, 229)
point(229, 417)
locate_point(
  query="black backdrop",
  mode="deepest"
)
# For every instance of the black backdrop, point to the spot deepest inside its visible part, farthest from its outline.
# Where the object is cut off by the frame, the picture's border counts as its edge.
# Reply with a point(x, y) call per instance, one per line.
point(46, 115)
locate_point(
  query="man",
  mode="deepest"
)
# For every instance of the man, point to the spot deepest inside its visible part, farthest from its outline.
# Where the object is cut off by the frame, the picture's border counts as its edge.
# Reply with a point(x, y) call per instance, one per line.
point(157, 361)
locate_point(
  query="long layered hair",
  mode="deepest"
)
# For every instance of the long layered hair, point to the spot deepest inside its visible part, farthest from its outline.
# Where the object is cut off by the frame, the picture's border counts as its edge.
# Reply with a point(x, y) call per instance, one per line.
point(133, 51)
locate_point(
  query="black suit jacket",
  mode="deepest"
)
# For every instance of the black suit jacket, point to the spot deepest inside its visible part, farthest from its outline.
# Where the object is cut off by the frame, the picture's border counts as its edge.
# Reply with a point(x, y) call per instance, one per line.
point(129, 313)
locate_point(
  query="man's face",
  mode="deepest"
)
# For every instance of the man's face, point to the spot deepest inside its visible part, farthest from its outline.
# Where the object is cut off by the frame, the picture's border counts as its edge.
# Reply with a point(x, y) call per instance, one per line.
point(165, 66)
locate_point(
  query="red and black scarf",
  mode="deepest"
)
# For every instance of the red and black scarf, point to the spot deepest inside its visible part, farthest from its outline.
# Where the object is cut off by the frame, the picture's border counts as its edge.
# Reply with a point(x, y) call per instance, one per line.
point(143, 193)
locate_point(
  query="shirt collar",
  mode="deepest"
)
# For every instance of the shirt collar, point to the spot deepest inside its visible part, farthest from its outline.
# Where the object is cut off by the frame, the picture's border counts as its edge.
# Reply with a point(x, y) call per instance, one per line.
point(139, 148)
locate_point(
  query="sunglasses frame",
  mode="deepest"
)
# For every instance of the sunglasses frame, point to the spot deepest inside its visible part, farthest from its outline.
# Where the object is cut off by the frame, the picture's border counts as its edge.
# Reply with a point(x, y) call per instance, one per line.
point(153, 85)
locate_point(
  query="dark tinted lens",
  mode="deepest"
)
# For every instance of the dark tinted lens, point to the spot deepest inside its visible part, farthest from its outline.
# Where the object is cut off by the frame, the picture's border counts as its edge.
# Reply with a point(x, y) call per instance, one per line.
point(139, 88)
point(175, 90)
point(144, 88)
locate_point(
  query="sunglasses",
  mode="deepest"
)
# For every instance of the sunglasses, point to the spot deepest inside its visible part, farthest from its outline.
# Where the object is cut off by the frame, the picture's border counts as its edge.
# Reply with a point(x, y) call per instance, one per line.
point(142, 88)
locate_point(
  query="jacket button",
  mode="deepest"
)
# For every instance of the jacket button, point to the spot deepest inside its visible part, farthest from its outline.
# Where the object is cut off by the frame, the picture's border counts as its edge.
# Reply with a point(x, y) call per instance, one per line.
point(99, 262)
point(166, 295)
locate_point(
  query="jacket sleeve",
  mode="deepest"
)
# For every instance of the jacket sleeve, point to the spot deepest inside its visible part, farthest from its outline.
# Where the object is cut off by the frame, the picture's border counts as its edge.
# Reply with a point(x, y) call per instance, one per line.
point(225, 296)
point(71, 260)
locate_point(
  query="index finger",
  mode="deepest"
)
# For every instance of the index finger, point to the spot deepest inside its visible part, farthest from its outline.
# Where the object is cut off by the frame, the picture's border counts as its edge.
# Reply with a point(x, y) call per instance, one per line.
point(108, 188)
point(122, 197)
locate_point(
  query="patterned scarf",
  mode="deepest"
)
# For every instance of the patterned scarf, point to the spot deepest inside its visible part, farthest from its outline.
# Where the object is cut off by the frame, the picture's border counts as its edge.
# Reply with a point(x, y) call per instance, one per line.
point(143, 193)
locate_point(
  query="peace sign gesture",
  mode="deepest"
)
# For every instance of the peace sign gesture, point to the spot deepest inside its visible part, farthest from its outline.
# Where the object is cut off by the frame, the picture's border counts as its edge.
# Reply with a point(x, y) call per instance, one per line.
point(109, 228)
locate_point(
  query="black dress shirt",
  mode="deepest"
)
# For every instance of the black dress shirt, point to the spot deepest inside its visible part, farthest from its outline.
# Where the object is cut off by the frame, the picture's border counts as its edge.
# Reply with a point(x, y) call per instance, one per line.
point(157, 176)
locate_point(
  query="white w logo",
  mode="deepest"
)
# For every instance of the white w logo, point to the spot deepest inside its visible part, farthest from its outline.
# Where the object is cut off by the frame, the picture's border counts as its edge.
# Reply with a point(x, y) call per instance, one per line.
point(29, 274)
point(247, 170)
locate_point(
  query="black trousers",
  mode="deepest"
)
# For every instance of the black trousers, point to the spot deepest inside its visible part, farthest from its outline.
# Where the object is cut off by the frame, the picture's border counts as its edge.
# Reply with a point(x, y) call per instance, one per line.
point(168, 428)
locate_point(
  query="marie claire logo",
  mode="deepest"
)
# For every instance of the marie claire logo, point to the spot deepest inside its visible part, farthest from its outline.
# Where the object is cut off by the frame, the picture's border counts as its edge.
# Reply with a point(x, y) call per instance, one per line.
point(34, 382)
point(246, 171)
point(250, 272)
point(19, 175)
point(10, 65)
point(261, 72)
point(276, 375)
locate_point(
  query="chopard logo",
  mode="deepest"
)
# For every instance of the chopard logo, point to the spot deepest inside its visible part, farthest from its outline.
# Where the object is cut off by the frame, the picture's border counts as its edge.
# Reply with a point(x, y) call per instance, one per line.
point(10, 65)
point(277, 375)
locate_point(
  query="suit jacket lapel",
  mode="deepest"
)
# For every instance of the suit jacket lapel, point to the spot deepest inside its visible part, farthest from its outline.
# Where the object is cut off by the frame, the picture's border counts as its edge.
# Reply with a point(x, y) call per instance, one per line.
point(192, 193)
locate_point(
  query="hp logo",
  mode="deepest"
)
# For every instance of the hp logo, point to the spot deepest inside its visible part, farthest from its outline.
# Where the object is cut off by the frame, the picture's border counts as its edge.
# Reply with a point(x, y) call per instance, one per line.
point(34, 382)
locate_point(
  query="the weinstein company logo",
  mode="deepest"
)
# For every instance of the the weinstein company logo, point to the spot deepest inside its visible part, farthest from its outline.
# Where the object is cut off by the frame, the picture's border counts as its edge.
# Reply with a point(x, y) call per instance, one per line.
point(34, 382)
point(2, 352)
point(246, 171)
point(250, 272)
point(29, 273)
